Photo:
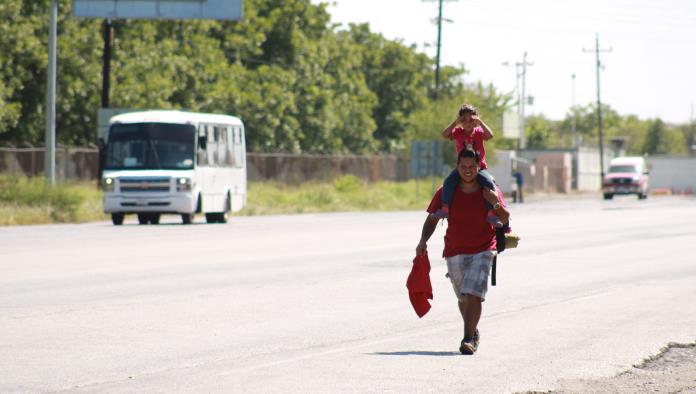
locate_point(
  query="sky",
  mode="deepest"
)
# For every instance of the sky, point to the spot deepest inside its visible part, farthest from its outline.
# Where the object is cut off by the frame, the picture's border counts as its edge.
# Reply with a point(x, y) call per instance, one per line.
point(649, 72)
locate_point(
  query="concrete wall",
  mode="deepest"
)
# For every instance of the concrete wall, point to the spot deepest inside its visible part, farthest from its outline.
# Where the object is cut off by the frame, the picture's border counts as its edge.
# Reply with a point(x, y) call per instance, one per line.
point(675, 173)
point(554, 172)
point(587, 170)
point(551, 170)
point(502, 170)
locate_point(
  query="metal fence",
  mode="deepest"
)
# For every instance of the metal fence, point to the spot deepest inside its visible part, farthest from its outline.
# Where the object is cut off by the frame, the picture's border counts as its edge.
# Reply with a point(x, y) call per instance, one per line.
point(83, 164)
point(71, 163)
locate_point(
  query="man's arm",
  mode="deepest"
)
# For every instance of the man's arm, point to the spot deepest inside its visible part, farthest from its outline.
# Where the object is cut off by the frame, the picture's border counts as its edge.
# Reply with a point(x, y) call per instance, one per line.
point(429, 227)
point(492, 198)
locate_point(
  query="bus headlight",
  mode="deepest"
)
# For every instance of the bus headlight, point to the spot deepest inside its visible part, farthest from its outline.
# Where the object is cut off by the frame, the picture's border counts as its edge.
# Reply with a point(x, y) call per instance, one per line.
point(183, 184)
point(108, 185)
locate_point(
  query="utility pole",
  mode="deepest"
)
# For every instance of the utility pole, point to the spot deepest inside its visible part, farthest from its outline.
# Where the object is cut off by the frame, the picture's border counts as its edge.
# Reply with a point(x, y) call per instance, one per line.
point(599, 105)
point(106, 86)
point(106, 61)
point(50, 141)
point(439, 44)
point(576, 143)
point(521, 74)
point(523, 136)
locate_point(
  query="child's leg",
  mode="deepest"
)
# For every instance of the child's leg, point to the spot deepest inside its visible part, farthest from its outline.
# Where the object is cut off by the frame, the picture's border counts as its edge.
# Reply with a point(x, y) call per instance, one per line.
point(449, 186)
point(485, 179)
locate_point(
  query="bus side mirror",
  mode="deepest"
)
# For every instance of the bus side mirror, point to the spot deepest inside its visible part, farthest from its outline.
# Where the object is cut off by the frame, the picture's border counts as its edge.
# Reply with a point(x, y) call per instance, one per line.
point(202, 142)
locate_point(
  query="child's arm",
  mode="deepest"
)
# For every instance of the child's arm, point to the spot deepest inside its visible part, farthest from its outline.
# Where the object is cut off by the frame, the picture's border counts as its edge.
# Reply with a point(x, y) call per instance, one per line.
point(447, 132)
point(487, 133)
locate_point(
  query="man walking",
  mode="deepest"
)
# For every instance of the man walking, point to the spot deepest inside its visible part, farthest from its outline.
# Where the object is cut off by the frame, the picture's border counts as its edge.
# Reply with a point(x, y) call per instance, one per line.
point(469, 243)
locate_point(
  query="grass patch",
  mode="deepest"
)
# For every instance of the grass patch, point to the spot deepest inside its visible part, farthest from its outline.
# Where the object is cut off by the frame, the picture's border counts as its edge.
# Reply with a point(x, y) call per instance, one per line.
point(347, 193)
point(32, 201)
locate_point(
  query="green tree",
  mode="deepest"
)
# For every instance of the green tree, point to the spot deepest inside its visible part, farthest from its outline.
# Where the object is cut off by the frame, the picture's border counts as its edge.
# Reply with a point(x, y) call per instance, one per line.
point(689, 132)
point(399, 77)
point(23, 56)
point(538, 133)
point(659, 140)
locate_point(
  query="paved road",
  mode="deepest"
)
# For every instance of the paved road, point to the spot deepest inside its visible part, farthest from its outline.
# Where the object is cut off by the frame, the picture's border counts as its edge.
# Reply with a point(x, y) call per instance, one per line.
point(317, 303)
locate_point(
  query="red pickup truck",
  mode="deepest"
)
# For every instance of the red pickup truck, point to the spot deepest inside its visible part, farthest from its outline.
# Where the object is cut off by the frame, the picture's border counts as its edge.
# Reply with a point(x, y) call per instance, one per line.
point(627, 175)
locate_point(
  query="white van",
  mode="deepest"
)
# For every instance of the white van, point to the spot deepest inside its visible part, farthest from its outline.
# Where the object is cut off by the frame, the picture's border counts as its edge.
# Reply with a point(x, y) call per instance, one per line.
point(626, 175)
point(174, 162)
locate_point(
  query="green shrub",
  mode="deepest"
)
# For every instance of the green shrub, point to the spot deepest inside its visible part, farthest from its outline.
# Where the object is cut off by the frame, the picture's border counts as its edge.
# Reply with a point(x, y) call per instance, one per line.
point(348, 184)
point(32, 201)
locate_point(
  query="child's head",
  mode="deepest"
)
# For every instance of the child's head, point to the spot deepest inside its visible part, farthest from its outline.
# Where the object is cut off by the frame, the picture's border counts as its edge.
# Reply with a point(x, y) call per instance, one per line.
point(466, 117)
point(467, 109)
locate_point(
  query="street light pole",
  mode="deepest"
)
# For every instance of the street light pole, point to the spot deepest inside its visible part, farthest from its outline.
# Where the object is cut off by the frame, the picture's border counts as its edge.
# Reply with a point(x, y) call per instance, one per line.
point(50, 140)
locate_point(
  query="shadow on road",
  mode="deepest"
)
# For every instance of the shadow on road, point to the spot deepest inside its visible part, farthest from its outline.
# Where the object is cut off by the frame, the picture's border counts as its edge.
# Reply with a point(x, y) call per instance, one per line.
point(415, 353)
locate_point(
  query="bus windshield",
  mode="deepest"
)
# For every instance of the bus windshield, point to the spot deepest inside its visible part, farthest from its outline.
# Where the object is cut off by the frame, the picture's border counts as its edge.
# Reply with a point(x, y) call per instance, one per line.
point(141, 146)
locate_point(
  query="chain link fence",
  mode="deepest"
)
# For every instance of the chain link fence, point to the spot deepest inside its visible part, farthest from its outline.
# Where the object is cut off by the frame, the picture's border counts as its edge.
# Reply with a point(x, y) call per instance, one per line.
point(83, 164)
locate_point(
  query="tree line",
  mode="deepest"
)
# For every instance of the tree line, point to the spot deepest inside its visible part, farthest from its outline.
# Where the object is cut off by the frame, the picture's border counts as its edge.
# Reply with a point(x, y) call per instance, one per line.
point(638, 136)
point(300, 82)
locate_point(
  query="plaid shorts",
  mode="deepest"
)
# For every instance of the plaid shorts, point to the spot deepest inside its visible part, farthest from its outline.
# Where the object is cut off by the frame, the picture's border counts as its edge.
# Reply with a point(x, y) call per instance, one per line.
point(469, 273)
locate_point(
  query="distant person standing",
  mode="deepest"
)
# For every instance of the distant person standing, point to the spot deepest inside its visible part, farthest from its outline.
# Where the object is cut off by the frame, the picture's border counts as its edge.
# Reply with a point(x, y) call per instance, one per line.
point(470, 242)
point(519, 185)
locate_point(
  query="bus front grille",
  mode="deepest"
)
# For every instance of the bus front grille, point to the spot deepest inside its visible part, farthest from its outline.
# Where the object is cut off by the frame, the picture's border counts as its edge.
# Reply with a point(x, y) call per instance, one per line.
point(139, 185)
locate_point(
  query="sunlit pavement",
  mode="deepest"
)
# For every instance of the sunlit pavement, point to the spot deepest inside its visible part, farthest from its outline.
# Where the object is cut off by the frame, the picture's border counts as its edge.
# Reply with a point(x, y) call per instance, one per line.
point(317, 303)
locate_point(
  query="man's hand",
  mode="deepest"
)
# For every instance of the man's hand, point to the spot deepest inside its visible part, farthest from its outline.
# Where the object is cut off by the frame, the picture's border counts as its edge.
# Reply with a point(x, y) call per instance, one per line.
point(422, 248)
point(492, 198)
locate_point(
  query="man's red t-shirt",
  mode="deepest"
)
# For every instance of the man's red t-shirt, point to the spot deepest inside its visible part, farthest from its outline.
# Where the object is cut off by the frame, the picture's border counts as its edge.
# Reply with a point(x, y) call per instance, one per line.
point(473, 141)
point(468, 232)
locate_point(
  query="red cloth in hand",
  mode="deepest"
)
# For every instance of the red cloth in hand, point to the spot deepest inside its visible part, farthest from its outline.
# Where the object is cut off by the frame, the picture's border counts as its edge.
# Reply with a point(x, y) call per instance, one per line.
point(418, 284)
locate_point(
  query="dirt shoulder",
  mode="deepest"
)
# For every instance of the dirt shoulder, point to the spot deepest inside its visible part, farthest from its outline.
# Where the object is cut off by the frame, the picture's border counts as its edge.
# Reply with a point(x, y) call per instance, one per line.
point(672, 370)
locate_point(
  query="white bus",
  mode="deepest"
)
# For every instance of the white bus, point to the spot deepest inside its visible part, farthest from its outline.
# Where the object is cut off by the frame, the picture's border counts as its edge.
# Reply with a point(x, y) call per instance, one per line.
point(173, 162)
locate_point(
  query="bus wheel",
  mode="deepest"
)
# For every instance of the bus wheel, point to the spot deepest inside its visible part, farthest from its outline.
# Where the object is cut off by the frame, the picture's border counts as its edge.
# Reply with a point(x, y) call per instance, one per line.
point(143, 218)
point(154, 218)
point(187, 218)
point(117, 218)
point(224, 216)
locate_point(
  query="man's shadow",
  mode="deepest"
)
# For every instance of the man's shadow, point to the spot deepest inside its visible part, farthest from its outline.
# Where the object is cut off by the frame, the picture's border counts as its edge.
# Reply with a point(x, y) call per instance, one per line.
point(416, 353)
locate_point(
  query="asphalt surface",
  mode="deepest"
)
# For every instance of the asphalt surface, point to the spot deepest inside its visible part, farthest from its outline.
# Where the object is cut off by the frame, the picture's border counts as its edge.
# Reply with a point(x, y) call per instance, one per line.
point(317, 303)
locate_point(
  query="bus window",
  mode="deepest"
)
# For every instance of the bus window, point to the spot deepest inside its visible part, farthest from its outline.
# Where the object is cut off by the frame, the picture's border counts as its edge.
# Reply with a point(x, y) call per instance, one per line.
point(238, 148)
point(229, 132)
point(212, 146)
point(202, 153)
point(221, 139)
